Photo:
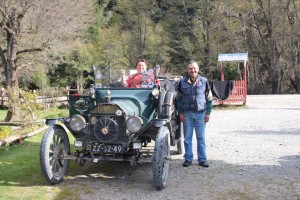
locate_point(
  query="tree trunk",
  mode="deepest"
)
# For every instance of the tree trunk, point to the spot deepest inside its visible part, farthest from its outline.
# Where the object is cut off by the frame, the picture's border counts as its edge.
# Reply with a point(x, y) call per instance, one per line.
point(11, 77)
point(19, 138)
point(275, 83)
point(206, 36)
point(297, 81)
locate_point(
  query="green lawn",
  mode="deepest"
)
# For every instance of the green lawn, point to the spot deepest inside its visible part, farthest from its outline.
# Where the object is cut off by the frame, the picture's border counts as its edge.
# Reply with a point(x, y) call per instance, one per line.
point(21, 176)
point(41, 114)
point(2, 114)
point(20, 173)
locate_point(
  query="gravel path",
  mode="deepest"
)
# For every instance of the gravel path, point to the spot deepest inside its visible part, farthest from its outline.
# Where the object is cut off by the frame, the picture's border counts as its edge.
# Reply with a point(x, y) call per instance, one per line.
point(254, 153)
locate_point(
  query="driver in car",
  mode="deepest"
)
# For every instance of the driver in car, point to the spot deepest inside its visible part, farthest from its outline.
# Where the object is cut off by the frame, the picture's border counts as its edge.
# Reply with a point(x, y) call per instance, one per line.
point(141, 78)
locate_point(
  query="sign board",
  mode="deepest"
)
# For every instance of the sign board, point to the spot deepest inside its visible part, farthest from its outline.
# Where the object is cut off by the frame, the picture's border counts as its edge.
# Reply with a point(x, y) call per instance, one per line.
point(238, 57)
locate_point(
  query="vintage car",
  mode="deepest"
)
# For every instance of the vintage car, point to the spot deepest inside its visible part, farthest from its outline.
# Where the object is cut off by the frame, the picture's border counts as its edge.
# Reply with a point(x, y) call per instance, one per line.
point(115, 124)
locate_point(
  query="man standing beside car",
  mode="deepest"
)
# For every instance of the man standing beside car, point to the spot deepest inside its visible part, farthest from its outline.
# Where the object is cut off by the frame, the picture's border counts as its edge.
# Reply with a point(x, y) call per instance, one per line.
point(194, 105)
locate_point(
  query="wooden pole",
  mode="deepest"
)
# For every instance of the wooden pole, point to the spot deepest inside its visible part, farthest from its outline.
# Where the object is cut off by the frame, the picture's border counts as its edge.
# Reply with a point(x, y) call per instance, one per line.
point(21, 137)
point(222, 72)
point(245, 82)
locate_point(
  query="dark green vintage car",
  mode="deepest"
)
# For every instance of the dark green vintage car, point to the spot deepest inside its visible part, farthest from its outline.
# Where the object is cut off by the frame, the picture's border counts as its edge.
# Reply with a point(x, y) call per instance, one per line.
point(115, 124)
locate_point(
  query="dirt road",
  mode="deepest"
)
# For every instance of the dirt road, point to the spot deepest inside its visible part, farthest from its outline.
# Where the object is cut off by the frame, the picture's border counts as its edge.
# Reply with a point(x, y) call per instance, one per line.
point(254, 153)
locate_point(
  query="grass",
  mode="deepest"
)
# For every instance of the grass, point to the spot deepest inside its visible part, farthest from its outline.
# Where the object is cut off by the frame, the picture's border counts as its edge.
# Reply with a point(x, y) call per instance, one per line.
point(41, 114)
point(2, 114)
point(20, 176)
point(20, 173)
point(229, 107)
point(52, 113)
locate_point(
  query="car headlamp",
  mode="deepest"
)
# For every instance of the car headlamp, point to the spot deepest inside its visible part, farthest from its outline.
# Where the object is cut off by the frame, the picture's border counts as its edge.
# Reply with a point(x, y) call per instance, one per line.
point(92, 92)
point(134, 124)
point(77, 123)
point(119, 112)
point(155, 93)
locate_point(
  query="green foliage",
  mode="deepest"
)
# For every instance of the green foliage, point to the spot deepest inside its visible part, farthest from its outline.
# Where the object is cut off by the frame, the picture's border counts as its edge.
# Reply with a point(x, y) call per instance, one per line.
point(181, 25)
point(141, 36)
point(171, 33)
point(40, 79)
point(103, 14)
point(70, 71)
point(230, 72)
point(34, 79)
point(26, 103)
point(4, 132)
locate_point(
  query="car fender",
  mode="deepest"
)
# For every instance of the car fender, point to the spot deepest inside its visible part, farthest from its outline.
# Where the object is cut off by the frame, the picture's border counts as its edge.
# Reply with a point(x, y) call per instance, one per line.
point(56, 122)
point(162, 122)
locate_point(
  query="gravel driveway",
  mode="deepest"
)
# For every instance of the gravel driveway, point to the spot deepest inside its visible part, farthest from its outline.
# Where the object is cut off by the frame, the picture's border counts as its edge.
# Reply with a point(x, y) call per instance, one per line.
point(254, 153)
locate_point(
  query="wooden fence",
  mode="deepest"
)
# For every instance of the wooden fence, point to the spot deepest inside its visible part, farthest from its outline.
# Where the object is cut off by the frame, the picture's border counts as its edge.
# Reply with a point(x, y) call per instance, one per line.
point(237, 95)
point(46, 100)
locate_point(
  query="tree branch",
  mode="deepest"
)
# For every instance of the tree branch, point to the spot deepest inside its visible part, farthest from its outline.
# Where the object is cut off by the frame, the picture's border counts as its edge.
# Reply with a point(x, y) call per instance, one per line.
point(9, 30)
point(29, 50)
point(3, 56)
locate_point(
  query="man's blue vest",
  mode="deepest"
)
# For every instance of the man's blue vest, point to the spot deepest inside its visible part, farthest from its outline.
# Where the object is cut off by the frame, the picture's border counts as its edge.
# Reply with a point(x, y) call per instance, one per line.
point(193, 95)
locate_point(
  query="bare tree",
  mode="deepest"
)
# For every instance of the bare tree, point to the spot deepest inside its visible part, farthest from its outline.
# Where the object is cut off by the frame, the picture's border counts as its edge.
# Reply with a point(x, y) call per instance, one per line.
point(33, 26)
point(293, 45)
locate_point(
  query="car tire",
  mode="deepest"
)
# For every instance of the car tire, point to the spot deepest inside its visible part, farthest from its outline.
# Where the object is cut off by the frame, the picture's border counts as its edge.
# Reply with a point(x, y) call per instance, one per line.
point(168, 106)
point(161, 103)
point(161, 164)
point(54, 145)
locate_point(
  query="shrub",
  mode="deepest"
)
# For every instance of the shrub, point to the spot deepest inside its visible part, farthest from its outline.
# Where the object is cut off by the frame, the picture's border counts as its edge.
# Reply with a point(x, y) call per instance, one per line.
point(4, 132)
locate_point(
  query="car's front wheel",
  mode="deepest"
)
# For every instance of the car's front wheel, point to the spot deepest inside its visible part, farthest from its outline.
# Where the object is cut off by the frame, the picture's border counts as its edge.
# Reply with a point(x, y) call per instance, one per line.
point(55, 144)
point(160, 162)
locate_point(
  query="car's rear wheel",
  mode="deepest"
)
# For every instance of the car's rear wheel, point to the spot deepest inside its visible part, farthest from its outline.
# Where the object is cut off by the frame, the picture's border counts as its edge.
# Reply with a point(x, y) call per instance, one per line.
point(160, 162)
point(55, 144)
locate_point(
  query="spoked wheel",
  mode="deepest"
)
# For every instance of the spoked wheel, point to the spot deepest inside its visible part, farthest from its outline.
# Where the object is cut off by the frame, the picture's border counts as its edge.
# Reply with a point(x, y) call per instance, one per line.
point(55, 144)
point(160, 162)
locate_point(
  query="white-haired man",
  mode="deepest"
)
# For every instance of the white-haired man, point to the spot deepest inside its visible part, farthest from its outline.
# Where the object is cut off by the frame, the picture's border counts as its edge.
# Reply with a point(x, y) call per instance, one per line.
point(194, 105)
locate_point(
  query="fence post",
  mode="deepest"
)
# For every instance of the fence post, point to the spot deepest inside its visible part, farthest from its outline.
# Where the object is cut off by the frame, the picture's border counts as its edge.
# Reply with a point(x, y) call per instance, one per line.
point(2, 96)
point(68, 89)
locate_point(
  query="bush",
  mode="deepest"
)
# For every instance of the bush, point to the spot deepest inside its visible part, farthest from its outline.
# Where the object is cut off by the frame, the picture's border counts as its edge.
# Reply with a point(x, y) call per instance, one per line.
point(4, 132)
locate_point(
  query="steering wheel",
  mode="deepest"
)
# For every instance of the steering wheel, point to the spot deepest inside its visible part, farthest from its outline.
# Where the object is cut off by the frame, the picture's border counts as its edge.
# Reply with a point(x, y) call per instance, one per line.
point(138, 86)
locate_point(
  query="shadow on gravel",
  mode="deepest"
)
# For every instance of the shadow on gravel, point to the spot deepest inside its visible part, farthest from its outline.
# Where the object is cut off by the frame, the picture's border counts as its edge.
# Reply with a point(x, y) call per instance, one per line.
point(273, 108)
point(269, 132)
point(117, 180)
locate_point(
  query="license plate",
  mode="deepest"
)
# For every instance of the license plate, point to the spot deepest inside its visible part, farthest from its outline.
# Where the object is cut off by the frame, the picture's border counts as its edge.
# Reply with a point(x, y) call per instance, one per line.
point(107, 148)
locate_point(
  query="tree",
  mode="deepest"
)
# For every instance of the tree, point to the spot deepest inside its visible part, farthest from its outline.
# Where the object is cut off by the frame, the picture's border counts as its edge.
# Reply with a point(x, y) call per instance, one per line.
point(33, 26)
point(189, 25)
point(141, 35)
point(292, 12)
point(262, 29)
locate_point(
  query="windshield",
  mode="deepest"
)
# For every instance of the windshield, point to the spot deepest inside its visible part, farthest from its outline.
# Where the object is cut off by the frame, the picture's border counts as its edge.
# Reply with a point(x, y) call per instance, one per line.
point(112, 79)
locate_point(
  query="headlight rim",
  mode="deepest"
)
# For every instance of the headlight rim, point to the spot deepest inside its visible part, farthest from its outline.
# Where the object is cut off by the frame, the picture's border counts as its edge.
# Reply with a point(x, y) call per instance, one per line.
point(155, 92)
point(74, 125)
point(129, 125)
